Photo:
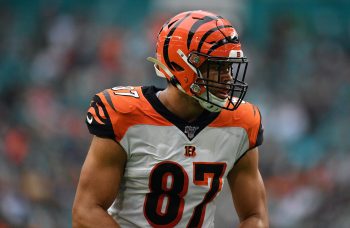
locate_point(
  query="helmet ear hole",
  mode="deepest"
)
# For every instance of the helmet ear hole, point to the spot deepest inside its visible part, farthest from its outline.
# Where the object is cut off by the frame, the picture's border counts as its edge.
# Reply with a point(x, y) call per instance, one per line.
point(177, 67)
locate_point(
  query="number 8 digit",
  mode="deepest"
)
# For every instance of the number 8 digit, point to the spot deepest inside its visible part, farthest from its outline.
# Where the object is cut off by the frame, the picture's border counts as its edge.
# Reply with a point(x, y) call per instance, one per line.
point(168, 185)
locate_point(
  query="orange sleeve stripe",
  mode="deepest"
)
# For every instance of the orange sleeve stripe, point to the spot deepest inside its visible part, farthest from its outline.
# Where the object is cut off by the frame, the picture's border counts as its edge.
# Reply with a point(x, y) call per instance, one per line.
point(101, 112)
point(92, 111)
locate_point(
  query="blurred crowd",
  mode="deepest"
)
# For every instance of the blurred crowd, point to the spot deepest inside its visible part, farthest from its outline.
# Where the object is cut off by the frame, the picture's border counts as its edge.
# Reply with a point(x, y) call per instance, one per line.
point(53, 60)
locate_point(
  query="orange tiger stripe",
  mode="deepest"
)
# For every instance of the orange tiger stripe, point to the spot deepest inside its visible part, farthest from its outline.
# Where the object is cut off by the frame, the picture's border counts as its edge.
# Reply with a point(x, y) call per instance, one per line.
point(92, 111)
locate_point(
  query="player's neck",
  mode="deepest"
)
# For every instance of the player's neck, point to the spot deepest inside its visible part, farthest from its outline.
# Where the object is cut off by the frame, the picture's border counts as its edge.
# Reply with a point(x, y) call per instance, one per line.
point(180, 104)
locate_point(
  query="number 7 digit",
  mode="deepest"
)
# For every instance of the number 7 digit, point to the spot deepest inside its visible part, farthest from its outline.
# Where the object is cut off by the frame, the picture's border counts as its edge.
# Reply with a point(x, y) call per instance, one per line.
point(129, 91)
point(202, 172)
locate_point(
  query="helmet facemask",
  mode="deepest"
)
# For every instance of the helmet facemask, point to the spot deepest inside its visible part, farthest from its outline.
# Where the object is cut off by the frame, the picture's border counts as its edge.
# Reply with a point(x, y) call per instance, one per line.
point(220, 82)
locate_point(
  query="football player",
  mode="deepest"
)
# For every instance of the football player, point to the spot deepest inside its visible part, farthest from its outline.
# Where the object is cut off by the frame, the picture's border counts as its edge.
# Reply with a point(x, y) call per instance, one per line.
point(159, 157)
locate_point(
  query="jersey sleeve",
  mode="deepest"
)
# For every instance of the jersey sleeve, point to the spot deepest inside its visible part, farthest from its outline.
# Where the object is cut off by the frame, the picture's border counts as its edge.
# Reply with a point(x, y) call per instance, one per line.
point(98, 119)
point(255, 129)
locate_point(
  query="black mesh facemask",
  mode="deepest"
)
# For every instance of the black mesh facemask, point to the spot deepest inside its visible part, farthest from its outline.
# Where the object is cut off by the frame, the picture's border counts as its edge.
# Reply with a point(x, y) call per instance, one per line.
point(222, 77)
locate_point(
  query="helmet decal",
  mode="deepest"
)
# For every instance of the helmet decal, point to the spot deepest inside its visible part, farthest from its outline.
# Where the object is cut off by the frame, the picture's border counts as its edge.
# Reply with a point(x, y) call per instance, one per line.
point(195, 26)
point(167, 41)
point(205, 36)
point(223, 42)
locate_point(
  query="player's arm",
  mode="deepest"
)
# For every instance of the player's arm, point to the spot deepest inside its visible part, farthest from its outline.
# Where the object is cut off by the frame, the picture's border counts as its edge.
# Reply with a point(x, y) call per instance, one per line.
point(99, 183)
point(248, 191)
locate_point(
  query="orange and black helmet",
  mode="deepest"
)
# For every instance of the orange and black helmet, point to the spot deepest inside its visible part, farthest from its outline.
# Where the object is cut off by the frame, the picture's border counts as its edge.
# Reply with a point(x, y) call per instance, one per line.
point(193, 43)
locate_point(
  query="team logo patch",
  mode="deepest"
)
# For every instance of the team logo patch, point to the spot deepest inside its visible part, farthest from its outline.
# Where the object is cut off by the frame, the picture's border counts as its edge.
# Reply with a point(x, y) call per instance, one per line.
point(190, 151)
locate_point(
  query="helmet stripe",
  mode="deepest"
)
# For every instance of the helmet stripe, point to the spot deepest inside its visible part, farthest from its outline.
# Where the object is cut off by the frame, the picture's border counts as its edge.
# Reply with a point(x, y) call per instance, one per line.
point(167, 41)
point(221, 43)
point(195, 26)
point(205, 36)
point(165, 24)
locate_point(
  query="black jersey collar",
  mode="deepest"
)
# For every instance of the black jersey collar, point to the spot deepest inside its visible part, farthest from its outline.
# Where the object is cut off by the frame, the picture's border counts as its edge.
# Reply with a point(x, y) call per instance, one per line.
point(190, 129)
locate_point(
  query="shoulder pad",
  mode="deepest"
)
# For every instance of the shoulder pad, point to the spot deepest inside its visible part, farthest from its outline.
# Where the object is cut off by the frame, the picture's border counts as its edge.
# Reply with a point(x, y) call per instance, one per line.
point(246, 116)
point(123, 99)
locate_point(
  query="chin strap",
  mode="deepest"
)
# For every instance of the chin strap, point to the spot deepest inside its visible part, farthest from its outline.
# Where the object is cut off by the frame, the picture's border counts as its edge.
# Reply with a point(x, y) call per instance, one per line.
point(212, 98)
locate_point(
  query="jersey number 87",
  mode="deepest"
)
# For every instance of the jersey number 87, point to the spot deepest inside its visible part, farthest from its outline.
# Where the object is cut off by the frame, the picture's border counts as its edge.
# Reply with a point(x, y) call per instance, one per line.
point(172, 197)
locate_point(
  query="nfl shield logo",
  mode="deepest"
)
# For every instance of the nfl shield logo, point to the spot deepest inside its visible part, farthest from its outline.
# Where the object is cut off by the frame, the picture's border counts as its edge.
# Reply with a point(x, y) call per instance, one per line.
point(190, 131)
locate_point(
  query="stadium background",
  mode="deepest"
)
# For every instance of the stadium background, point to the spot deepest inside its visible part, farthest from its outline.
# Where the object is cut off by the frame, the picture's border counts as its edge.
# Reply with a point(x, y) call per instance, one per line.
point(54, 55)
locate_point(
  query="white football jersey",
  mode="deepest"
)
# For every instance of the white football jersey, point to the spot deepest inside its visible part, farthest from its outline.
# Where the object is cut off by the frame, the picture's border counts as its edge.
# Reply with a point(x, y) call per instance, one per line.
point(174, 169)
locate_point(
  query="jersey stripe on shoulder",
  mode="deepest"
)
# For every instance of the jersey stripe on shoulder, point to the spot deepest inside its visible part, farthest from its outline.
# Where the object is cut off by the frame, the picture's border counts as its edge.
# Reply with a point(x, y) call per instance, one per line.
point(108, 99)
point(98, 120)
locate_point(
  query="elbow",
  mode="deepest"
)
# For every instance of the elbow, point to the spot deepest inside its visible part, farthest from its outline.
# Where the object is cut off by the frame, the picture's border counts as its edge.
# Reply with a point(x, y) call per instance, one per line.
point(255, 220)
point(77, 216)
point(262, 223)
